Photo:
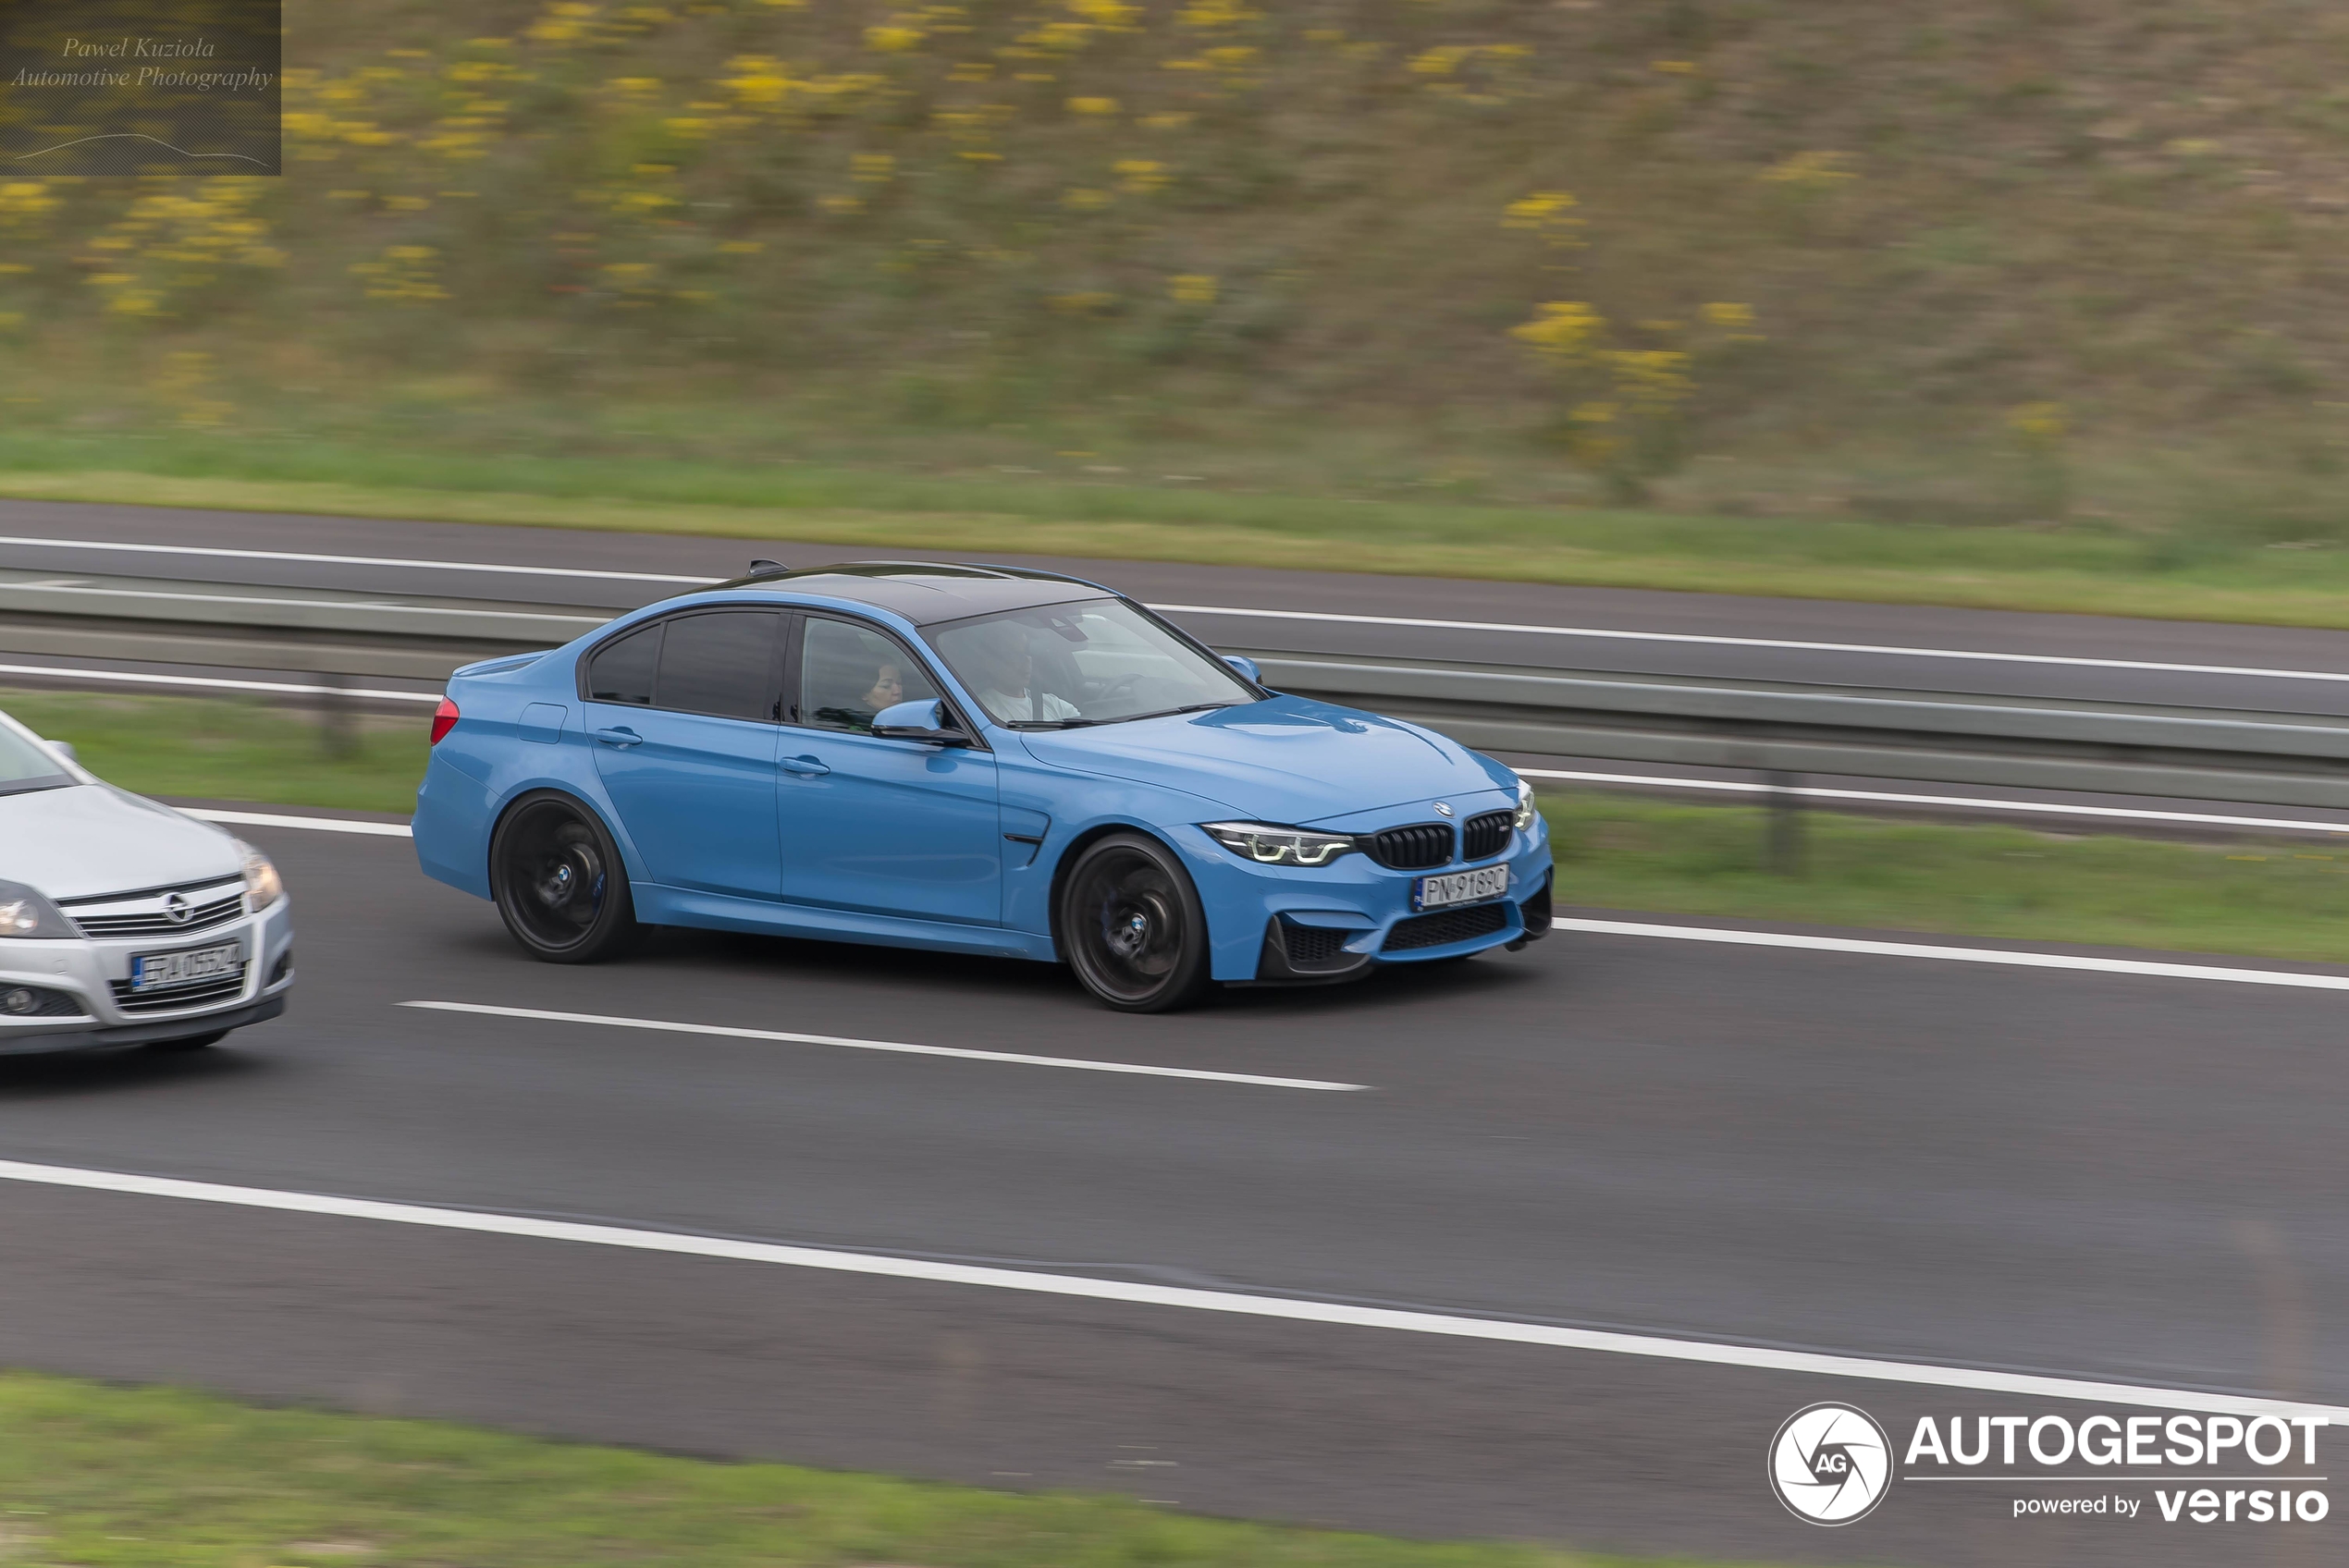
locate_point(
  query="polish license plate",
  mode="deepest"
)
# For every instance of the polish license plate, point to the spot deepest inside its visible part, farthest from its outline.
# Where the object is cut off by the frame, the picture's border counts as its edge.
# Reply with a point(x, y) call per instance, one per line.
point(158, 972)
point(1460, 887)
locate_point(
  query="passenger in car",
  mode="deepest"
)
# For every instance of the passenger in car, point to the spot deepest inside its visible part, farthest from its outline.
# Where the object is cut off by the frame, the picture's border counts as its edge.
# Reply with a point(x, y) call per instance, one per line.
point(1008, 668)
point(888, 690)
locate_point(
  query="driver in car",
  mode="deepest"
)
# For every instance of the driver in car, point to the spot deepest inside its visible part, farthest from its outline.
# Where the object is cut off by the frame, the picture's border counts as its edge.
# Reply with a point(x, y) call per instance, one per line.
point(1007, 688)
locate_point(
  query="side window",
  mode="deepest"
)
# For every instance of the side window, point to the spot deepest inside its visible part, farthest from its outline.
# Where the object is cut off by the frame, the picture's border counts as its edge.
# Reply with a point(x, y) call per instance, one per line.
point(847, 674)
point(721, 662)
point(622, 671)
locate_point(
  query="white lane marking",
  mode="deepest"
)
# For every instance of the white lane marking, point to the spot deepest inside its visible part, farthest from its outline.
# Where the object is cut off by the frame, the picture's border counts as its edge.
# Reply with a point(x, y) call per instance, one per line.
point(321, 823)
point(790, 1038)
point(1414, 621)
point(353, 560)
point(1716, 642)
point(2150, 967)
point(1970, 801)
point(1237, 1303)
point(216, 683)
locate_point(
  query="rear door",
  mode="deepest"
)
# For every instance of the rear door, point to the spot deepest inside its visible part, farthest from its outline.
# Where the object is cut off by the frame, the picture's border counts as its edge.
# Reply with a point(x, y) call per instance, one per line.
point(682, 717)
point(898, 828)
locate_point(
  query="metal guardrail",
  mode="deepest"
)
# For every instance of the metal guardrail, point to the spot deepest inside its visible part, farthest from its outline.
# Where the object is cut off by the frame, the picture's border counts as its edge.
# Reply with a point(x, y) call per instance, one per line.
point(2269, 759)
point(2101, 748)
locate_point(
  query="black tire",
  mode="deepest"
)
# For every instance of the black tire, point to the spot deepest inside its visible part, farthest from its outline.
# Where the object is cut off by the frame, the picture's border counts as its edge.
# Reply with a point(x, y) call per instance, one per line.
point(189, 1041)
point(558, 882)
point(1132, 927)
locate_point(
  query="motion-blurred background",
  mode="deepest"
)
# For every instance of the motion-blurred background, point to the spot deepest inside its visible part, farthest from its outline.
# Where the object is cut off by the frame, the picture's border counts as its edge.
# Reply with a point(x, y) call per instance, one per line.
point(1992, 263)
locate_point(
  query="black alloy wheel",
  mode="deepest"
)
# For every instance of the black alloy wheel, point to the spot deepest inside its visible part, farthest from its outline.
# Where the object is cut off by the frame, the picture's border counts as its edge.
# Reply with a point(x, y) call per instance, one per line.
point(558, 882)
point(1132, 927)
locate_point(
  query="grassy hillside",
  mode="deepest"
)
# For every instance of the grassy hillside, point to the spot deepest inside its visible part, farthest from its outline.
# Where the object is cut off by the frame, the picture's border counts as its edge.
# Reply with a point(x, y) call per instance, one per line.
point(1999, 261)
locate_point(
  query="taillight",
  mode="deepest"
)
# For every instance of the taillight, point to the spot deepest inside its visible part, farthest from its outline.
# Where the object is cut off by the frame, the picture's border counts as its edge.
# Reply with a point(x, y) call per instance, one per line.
point(444, 719)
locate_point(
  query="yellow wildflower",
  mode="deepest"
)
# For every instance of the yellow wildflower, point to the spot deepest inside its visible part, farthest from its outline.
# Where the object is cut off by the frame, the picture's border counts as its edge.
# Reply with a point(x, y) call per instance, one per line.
point(2039, 422)
point(1810, 171)
point(1564, 330)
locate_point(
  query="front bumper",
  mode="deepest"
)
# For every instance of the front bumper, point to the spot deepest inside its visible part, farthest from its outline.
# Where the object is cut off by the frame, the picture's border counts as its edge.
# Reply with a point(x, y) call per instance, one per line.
point(76, 982)
point(1313, 923)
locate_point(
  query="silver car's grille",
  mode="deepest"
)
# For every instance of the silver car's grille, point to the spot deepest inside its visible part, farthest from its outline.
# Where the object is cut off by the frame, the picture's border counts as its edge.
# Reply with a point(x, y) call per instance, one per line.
point(159, 912)
point(227, 988)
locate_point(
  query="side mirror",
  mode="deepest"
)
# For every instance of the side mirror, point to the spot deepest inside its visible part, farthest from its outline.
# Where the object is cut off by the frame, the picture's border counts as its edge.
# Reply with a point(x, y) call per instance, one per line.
point(63, 749)
point(1247, 667)
point(928, 721)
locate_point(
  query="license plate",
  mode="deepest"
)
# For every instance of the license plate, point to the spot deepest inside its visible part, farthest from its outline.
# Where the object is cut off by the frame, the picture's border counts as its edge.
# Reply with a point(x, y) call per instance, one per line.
point(1460, 887)
point(156, 971)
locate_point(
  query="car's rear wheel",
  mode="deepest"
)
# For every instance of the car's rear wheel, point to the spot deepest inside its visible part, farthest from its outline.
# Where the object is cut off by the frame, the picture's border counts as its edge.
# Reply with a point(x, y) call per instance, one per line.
point(1132, 927)
point(558, 882)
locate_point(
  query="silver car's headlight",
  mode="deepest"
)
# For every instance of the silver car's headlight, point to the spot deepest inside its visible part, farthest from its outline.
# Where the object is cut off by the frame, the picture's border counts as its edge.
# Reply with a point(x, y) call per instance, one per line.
point(262, 885)
point(1525, 811)
point(1268, 844)
point(24, 912)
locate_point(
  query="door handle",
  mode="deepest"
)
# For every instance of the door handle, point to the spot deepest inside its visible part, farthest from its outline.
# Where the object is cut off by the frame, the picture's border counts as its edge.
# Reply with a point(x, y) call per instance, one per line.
point(808, 765)
point(623, 737)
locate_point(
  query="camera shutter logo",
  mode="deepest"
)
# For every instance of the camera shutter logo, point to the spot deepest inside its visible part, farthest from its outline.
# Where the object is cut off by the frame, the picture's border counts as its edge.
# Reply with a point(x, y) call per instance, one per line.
point(1830, 1463)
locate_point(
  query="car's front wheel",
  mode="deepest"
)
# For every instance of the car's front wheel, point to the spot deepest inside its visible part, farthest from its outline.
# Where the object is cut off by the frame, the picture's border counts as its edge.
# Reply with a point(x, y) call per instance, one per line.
point(558, 882)
point(1132, 927)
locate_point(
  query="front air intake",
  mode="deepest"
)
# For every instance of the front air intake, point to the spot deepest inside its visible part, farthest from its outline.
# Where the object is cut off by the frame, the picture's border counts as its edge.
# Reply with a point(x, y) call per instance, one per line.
point(1447, 926)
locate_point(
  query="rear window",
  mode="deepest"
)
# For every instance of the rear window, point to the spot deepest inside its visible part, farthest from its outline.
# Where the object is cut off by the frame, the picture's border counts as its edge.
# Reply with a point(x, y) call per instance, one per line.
point(721, 662)
point(622, 671)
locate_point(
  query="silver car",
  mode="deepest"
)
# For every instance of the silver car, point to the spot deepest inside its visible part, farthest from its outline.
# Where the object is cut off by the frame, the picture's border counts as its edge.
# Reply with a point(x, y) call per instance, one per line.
point(123, 923)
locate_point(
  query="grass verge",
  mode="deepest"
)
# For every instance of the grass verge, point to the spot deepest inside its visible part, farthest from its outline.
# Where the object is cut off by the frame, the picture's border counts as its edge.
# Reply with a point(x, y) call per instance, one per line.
point(2287, 900)
point(2257, 900)
point(147, 1477)
point(230, 749)
point(2056, 571)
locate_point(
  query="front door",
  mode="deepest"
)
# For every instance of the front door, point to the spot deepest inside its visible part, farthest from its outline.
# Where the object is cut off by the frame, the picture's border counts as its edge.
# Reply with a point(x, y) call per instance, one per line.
point(681, 714)
point(897, 827)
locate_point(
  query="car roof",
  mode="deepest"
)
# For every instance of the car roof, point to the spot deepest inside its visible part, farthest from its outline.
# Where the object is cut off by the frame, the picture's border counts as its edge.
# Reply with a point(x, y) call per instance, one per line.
point(928, 592)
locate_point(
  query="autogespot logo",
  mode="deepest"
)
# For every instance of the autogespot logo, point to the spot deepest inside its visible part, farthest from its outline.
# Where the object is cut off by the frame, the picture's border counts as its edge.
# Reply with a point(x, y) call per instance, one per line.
point(1830, 1463)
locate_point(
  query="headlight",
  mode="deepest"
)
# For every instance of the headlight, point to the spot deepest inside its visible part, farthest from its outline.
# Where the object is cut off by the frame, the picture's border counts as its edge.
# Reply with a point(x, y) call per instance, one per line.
point(1525, 811)
point(1269, 845)
point(24, 912)
point(261, 884)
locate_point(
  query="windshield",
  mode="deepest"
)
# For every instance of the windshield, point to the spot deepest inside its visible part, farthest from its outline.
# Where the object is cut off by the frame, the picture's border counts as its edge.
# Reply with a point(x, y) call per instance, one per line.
point(24, 765)
point(1094, 662)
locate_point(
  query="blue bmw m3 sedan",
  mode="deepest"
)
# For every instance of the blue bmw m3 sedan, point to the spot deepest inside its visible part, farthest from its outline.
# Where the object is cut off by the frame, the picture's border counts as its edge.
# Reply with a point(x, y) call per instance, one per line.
point(966, 759)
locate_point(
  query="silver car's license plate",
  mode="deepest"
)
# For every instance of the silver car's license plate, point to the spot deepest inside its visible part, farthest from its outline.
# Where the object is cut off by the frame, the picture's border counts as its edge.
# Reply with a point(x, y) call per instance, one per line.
point(156, 971)
point(1460, 887)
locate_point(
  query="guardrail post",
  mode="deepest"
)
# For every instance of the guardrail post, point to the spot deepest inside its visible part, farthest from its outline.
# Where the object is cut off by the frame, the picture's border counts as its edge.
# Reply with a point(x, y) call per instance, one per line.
point(338, 718)
point(1786, 840)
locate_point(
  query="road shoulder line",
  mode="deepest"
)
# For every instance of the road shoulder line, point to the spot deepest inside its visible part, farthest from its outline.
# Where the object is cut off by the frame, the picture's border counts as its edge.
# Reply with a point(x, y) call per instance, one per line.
point(1337, 1314)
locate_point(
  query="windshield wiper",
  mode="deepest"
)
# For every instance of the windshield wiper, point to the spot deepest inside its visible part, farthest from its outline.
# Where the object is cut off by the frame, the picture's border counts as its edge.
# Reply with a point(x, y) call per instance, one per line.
point(1162, 712)
point(1121, 719)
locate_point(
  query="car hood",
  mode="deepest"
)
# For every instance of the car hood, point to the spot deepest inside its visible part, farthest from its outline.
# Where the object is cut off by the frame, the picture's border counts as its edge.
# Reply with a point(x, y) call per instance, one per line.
point(1286, 759)
point(94, 838)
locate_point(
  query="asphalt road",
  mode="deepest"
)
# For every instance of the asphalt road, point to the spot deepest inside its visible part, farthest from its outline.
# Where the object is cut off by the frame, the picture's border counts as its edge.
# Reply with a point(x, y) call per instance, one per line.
point(1715, 616)
point(2106, 1176)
